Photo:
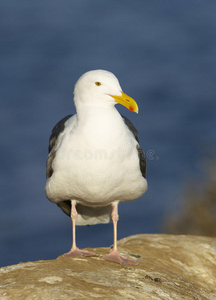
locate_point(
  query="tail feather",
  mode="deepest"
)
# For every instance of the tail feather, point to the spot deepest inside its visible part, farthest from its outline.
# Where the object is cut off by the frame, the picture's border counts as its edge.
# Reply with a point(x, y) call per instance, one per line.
point(88, 215)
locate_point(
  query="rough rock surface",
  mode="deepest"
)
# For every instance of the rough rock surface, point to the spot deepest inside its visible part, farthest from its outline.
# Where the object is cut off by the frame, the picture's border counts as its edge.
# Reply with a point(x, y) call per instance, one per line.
point(169, 267)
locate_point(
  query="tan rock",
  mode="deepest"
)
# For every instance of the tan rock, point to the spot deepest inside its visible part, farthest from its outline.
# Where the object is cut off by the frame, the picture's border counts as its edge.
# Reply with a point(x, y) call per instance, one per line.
point(169, 267)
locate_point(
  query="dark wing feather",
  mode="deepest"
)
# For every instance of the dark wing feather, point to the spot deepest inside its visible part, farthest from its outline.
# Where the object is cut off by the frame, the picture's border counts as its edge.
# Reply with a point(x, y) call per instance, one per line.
point(59, 127)
point(141, 154)
point(65, 207)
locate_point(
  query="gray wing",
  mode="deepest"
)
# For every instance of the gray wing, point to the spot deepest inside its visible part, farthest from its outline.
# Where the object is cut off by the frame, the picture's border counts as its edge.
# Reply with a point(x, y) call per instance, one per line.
point(141, 154)
point(59, 128)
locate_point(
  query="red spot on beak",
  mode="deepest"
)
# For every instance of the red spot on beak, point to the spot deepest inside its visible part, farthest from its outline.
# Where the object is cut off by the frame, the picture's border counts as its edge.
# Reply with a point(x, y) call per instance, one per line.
point(131, 108)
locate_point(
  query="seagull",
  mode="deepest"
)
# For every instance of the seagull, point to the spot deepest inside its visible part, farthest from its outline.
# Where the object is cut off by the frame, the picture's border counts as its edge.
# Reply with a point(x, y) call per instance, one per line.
point(95, 160)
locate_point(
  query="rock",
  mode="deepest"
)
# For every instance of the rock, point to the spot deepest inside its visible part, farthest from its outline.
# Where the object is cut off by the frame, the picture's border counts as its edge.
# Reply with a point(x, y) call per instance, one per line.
point(169, 267)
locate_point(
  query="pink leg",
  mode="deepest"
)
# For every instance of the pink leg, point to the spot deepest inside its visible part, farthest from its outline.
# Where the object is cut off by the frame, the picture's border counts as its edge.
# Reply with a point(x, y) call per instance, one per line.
point(114, 255)
point(75, 251)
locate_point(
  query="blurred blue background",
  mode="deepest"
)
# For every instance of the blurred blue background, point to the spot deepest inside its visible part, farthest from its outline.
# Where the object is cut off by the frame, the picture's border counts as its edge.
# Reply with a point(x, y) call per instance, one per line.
point(163, 53)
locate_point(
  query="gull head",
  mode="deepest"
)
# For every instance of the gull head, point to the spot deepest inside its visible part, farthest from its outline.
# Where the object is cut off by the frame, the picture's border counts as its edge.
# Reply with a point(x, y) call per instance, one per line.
point(101, 88)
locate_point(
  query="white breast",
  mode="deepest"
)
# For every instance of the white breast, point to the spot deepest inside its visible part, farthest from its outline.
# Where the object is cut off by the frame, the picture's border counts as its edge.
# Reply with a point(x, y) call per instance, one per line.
point(96, 161)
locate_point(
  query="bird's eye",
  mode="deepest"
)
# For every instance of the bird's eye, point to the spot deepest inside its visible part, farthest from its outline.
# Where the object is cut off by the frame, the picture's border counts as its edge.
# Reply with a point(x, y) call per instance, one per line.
point(98, 83)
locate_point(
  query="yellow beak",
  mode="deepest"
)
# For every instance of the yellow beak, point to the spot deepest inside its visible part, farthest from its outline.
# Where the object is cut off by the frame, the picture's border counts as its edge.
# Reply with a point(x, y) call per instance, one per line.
point(127, 101)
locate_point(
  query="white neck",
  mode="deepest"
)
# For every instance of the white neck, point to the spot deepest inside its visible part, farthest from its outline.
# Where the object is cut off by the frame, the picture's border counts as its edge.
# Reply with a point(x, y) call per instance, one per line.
point(101, 123)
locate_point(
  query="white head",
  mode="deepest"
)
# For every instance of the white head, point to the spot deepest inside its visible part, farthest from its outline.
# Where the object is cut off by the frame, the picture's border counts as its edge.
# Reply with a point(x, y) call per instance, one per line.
point(101, 88)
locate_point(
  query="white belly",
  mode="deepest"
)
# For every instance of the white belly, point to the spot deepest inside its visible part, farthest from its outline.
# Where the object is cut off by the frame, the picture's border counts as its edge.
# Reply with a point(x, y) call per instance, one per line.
point(95, 168)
